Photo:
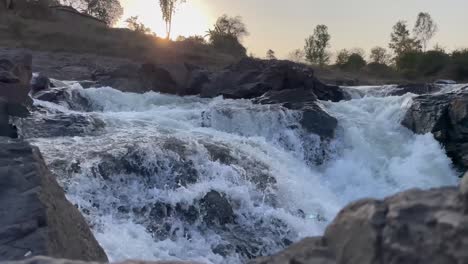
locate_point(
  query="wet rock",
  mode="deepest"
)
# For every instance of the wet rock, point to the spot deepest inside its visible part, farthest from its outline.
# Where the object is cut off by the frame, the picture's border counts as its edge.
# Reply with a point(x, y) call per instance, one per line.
point(251, 78)
point(15, 78)
point(45, 260)
point(394, 230)
point(415, 88)
point(216, 209)
point(40, 83)
point(59, 125)
point(310, 250)
point(197, 78)
point(445, 116)
point(137, 78)
point(36, 218)
point(15, 75)
point(65, 96)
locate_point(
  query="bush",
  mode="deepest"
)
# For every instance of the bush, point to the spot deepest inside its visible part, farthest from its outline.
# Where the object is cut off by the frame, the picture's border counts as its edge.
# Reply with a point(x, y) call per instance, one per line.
point(433, 62)
point(228, 44)
point(460, 64)
point(408, 61)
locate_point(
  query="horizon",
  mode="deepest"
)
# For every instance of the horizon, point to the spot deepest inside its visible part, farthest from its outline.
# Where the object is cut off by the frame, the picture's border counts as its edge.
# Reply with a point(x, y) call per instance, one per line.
point(351, 25)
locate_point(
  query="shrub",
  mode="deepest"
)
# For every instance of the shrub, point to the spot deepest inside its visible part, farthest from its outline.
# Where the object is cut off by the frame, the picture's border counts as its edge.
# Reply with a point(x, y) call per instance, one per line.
point(460, 64)
point(433, 62)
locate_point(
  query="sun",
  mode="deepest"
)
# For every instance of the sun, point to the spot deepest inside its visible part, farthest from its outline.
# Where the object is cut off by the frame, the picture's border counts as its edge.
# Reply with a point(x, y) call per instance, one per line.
point(190, 18)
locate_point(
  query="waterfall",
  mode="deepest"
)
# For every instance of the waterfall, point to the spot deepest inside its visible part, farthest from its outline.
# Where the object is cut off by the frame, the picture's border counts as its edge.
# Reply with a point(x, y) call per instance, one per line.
point(165, 177)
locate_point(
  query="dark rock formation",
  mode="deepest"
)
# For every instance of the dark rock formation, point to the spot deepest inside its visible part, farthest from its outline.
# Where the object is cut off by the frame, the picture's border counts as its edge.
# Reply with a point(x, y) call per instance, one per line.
point(40, 83)
point(445, 116)
point(36, 218)
point(134, 78)
point(217, 209)
point(314, 118)
point(252, 78)
point(45, 260)
point(65, 96)
point(15, 75)
point(415, 88)
point(59, 125)
point(411, 227)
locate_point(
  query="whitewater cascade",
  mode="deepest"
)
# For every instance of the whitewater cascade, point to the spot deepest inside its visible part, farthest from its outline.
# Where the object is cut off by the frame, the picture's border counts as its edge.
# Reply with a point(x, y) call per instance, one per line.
point(163, 177)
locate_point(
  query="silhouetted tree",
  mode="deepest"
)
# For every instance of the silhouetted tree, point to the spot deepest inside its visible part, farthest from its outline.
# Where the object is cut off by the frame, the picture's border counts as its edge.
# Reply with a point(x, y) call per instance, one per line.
point(134, 24)
point(316, 46)
point(168, 9)
point(425, 29)
point(227, 34)
point(342, 57)
point(380, 55)
point(296, 55)
point(401, 41)
point(270, 55)
point(109, 11)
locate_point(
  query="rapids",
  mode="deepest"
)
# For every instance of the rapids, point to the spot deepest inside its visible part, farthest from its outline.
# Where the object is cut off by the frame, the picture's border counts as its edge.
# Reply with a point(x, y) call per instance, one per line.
point(142, 180)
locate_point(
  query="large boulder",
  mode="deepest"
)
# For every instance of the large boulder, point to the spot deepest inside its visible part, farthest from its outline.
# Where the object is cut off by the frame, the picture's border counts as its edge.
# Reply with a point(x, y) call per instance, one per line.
point(251, 78)
point(445, 116)
point(137, 78)
point(15, 75)
point(411, 227)
point(36, 218)
point(314, 118)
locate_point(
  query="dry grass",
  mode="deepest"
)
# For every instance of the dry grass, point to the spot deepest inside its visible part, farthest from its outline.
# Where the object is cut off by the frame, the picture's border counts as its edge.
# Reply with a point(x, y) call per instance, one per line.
point(45, 35)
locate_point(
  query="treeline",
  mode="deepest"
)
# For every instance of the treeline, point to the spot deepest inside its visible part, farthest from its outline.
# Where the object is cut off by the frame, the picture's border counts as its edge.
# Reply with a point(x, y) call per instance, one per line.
point(407, 55)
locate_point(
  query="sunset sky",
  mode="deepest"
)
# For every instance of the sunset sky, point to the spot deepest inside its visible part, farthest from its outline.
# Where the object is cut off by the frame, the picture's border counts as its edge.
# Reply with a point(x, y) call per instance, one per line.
point(283, 25)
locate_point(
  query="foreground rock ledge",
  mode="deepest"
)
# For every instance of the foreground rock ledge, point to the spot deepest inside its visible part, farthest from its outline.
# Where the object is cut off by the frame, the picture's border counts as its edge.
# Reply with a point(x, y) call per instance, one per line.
point(35, 217)
point(409, 228)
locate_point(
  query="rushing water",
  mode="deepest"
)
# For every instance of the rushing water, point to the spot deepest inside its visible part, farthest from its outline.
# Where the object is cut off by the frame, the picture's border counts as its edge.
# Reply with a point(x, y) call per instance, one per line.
point(142, 179)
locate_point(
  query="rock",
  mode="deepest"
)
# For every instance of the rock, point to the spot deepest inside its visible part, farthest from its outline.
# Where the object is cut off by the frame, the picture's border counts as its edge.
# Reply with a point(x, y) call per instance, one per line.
point(40, 83)
point(216, 209)
point(314, 118)
point(15, 77)
point(445, 116)
point(36, 218)
point(59, 125)
point(6, 129)
point(415, 88)
point(45, 260)
point(137, 78)
point(310, 250)
point(464, 185)
point(415, 226)
point(252, 78)
point(70, 98)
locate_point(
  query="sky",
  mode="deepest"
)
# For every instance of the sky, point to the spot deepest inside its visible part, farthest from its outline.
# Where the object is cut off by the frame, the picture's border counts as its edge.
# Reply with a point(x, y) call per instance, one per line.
point(283, 25)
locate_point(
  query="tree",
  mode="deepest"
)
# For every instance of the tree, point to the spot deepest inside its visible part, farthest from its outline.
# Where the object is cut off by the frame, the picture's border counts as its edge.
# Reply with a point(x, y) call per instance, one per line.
point(425, 29)
point(110, 11)
point(270, 55)
point(134, 24)
point(296, 55)
point(168, 9)
point(316, 46)
point(379, 55)
point(342, 57)
point(227, 34)
point(231, 26)
point(401, 41)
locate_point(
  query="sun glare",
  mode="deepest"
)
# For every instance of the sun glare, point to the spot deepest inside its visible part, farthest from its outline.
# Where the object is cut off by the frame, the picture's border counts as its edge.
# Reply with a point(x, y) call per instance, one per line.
point(190, 18)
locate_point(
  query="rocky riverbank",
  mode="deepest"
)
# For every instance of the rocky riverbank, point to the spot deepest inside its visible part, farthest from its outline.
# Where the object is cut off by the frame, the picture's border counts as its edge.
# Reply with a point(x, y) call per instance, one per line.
point(392, 230)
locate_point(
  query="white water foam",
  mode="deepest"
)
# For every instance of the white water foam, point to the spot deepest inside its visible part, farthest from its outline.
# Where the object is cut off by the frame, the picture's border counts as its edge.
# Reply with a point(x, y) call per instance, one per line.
point(372, 156)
